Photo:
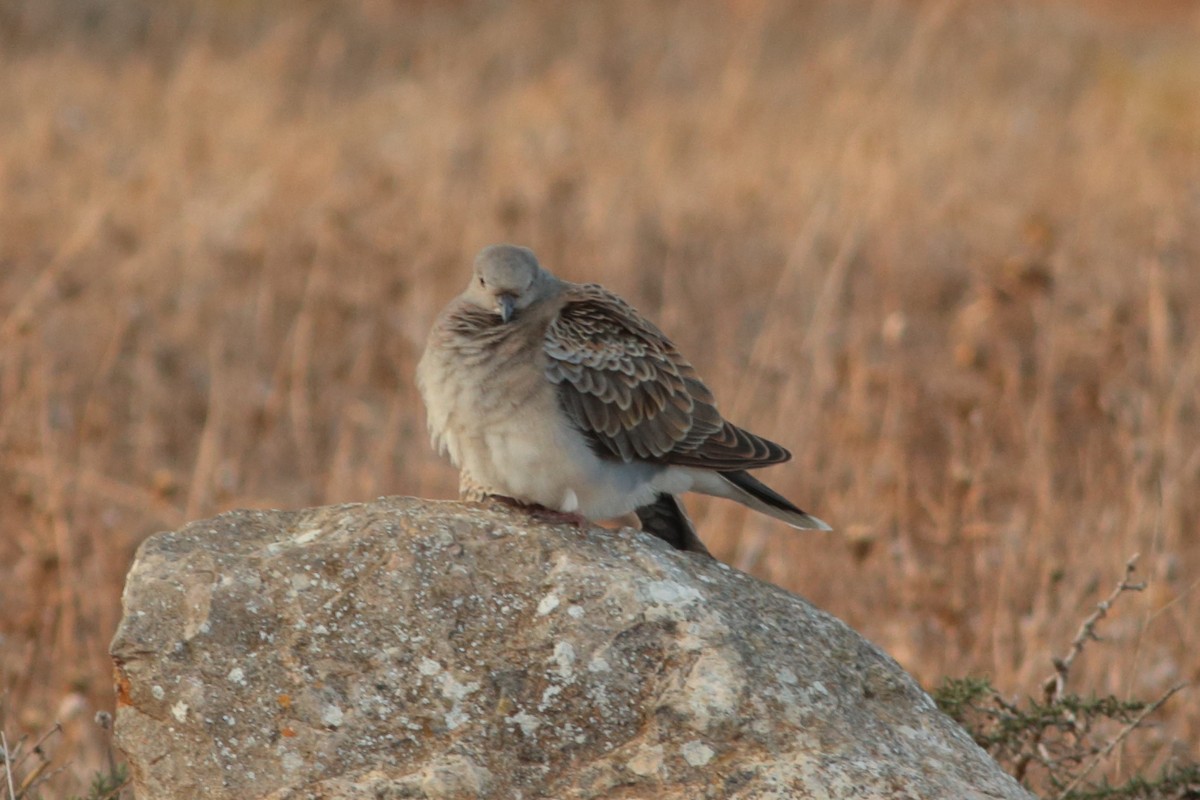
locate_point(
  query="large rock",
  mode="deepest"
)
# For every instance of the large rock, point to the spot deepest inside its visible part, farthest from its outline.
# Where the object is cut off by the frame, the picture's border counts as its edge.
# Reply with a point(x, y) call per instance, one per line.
point(409, 649)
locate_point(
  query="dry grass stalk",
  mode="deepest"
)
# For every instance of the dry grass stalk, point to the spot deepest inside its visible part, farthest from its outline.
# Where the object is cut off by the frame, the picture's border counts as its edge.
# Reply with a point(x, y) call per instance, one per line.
point(12, 792)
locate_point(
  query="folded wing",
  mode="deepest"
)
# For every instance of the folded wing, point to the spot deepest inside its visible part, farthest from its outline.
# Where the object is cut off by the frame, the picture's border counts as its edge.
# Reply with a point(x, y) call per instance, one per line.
point(626, 387)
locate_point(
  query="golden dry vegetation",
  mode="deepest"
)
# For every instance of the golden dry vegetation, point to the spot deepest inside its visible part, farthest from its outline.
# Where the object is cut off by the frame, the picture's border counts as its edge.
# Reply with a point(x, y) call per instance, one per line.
point(947, 252)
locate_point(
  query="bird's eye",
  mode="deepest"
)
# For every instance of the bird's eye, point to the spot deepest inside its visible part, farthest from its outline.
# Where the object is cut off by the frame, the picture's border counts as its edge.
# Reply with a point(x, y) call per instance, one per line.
point(481, 281)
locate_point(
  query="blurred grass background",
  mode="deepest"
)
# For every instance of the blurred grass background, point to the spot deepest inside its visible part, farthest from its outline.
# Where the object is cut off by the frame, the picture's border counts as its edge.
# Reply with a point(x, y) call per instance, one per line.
point(947, 252)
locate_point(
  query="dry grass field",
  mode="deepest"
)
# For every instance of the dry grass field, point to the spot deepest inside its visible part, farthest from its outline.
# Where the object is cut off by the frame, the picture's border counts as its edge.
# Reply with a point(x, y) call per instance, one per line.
point(947, 252)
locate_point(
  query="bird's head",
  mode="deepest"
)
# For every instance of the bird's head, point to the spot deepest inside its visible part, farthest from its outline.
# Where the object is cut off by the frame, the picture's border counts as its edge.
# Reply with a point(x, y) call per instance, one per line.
point(507, 279)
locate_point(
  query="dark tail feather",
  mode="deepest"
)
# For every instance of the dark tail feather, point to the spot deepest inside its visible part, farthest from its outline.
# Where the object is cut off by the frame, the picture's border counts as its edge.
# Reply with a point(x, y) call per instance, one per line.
point(772, 502)
point(667, 519)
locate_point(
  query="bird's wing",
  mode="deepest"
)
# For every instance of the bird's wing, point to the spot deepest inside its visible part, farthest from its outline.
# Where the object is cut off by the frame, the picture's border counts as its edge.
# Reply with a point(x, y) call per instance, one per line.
point(625, 386)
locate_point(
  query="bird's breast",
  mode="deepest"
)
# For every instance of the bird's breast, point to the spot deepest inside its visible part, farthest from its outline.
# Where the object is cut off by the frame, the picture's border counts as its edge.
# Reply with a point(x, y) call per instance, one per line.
point(492, 409)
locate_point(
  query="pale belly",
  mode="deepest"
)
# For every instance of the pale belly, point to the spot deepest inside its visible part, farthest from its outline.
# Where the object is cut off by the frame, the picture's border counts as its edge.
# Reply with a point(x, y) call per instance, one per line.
point(532, 455)
point(525, 448)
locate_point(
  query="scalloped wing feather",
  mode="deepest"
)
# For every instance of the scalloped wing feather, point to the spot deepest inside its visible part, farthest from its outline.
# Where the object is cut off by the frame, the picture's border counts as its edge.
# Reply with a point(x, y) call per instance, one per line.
point(625, 386)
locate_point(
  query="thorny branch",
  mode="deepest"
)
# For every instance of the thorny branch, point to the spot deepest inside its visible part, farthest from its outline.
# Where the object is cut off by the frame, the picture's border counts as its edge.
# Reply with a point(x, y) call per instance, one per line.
point(1120, 737)
point(1055, 685)
point(1059, 733)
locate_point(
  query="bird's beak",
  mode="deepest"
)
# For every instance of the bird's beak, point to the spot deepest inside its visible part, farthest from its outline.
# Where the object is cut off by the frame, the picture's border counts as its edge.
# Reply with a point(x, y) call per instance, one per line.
point(508, 306)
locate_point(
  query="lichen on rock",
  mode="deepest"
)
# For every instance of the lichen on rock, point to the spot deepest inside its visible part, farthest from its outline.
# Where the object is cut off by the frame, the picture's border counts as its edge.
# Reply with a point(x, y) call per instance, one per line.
point(414, 649)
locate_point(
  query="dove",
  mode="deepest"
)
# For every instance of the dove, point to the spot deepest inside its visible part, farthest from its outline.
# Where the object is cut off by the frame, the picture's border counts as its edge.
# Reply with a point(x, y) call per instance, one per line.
point(561, 395)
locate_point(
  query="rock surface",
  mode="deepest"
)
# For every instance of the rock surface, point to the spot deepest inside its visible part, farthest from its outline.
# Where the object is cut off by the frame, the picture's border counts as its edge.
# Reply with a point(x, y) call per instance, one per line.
point(411, 649)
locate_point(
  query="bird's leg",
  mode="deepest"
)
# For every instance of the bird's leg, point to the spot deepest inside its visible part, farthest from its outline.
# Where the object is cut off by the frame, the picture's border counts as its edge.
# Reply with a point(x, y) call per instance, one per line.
point(508, 501)
point(541, 512)
point(553, 515)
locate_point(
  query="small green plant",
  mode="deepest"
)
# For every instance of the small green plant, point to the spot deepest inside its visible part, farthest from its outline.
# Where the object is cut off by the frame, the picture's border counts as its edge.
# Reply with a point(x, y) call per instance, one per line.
point(1056, 745)
point(1057, 742)
point(107, 785)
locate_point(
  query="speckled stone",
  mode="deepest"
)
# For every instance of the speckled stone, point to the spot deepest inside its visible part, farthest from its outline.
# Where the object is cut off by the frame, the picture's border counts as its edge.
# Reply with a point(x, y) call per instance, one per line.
point(413, 649)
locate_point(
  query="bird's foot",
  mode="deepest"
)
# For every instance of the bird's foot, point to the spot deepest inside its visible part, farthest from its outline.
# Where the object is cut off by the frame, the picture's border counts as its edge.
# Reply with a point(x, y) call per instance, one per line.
point(552, 515)
point(543, 513)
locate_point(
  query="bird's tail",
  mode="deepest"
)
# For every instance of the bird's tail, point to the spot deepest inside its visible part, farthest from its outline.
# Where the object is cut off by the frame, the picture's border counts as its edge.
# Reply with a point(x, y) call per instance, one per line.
point(752, 492)
point(667, 519)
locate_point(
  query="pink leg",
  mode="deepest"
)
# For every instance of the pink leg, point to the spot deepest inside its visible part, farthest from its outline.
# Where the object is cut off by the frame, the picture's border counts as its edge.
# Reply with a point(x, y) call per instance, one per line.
point(550, 515)
point(542, 513)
